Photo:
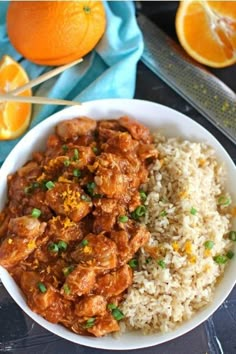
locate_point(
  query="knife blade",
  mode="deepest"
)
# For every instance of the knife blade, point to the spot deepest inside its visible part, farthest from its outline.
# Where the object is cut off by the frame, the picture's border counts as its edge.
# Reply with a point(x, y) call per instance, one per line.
point(203, 90)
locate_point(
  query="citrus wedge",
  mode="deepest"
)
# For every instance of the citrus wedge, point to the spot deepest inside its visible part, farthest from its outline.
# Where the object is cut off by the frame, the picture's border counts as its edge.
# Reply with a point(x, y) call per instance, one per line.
point(207, 31)
point(14, 116)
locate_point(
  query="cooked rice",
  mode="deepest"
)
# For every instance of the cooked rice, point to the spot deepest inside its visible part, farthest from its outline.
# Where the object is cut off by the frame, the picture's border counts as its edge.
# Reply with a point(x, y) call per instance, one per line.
point(186, 180)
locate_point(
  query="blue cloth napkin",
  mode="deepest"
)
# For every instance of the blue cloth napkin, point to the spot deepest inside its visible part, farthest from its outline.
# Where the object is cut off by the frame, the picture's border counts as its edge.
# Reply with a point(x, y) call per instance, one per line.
point(109, 71)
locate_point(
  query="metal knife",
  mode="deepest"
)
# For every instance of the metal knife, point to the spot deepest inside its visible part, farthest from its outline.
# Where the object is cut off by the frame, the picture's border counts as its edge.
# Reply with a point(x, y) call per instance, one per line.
point(204, 91)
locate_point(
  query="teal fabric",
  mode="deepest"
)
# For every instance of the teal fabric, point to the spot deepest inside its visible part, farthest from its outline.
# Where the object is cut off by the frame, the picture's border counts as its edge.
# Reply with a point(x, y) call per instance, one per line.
point(109, 71)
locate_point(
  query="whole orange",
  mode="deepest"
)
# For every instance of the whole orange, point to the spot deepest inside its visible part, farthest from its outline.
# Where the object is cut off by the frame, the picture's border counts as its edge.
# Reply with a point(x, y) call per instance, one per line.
point(55, 32)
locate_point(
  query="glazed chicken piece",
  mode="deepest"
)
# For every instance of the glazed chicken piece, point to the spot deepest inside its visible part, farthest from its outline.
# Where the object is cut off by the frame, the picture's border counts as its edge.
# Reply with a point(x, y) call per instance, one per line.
point(29, 281)
point(104, 325)
point(40, 301)
point(121, 238)
point(135, 201)
point(107, 129)
point(43, 255)
point(96, 250)
point(106, 213)
point(20, 240)
point(61, 163)
point(79, 282)
point(129, 241)
point(54, 149)
point(114, 283)
point(146, 151)
point(47, 302)
point(86, 156)
point(57, 310)
point(120, 143)
point(30, 170)
point(92, 305)
point(72, 128)
point(117, 176)
point(139, 236)
point(54, 166)
point(54, 274)
point(110, 176)
point(62, 228)
point(65, 199)
point(137, 130)
point(36, 199)
point(20, 180)
point(23, 198)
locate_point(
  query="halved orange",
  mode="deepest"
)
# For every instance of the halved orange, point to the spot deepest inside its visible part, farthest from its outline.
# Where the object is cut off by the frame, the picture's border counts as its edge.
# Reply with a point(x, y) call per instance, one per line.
point(14, 116)
point(207, 31)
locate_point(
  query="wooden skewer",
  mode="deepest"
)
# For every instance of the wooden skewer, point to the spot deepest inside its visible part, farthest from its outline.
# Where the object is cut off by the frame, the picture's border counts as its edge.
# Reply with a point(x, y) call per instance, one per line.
point(44, 77)
point(37, 100)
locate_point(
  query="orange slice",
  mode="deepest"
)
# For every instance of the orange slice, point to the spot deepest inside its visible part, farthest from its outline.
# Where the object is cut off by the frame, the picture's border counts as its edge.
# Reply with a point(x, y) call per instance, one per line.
point(207, 31)
point(14, 116)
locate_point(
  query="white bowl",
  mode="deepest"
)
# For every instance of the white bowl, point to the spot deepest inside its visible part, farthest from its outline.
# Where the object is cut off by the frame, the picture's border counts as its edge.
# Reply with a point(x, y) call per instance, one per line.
point(153, 115)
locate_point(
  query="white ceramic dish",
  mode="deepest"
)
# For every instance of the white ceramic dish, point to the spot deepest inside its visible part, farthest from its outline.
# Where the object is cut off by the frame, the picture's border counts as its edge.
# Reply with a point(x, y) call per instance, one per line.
point(153, 115)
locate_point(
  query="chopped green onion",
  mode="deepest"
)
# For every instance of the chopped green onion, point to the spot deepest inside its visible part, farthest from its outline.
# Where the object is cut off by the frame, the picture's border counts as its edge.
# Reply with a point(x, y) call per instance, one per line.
point(27, 190)
point(111, 306)
point(67, 270)
point(50, 185)
point(62, 245)
point(76, 155)
point(232, 235)
point(220, 259)
point(117, 314)
point(36, 213)
point(53, 247)
point(85, 198)
point(84, 243)
point(42, 288)
point(230, 254)
point(224, 200)
point(138, 212)
point(30, 188)
point(161, 263)
point(90, 187)
point(66, 289)
point(209, 244)
point(95, 149)
point(133, 263)
point(193, 211)
point(77, 173)
point(64, 148)
point(123, 218)
point(67, 162)
point(89, 323)
point(163, 213)
point(143, 195)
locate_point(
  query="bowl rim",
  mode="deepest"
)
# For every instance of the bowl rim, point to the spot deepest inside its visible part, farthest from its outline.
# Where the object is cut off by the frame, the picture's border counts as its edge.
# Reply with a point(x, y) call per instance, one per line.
point(46, 124)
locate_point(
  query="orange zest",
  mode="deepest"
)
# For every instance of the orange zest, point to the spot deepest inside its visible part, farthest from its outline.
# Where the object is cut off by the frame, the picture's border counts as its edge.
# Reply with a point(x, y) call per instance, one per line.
point(55, 32)
point(207, 31)
point(14, 116)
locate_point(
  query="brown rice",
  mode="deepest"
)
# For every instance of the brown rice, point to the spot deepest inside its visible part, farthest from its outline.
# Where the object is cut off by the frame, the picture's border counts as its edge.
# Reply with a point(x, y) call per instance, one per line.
point(177, 273)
